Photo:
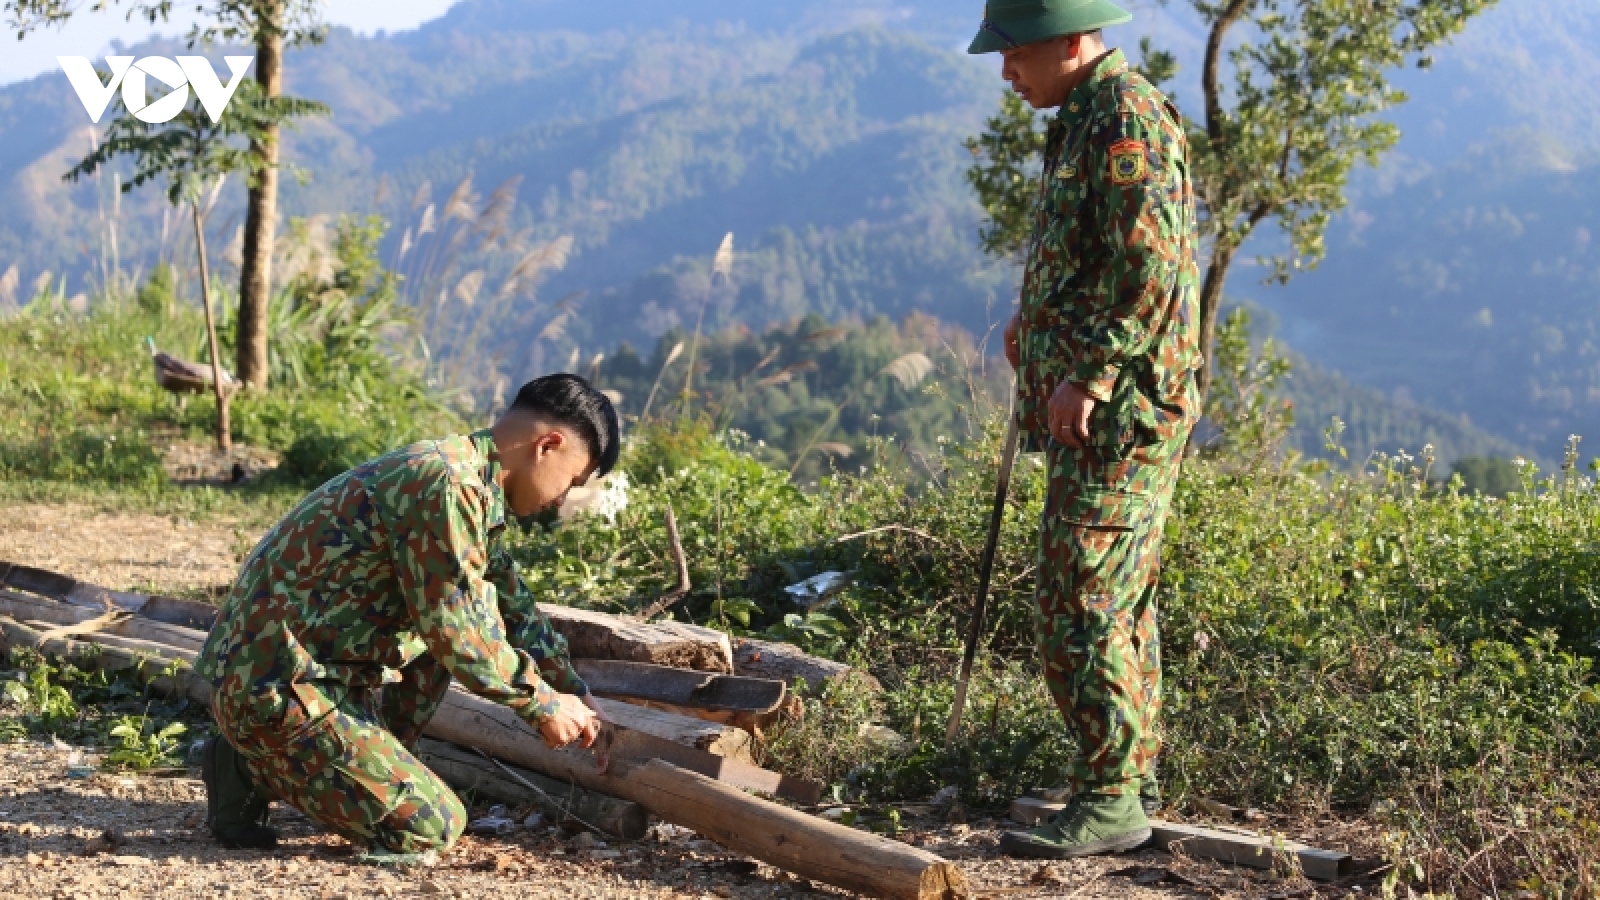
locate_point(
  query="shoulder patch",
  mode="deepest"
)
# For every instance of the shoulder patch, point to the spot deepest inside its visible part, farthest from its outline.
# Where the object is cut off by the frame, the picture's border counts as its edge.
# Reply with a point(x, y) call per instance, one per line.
point(1128, 164)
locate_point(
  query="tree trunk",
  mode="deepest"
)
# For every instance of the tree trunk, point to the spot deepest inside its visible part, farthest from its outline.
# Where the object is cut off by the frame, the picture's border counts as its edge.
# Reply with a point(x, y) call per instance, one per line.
point(1210, 300)
point(260, 222)
point(224, 435)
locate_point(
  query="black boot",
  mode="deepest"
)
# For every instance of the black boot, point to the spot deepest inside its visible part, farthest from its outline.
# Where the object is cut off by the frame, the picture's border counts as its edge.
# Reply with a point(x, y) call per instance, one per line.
point(236, 812)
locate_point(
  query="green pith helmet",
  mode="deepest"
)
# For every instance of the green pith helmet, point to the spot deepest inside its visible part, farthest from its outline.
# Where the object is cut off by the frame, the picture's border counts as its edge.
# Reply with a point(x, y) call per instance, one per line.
point(1012, 23)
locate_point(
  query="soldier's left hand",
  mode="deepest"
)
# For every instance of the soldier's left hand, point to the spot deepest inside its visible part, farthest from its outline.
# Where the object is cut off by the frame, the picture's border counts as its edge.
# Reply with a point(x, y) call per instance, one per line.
point(1070, 408)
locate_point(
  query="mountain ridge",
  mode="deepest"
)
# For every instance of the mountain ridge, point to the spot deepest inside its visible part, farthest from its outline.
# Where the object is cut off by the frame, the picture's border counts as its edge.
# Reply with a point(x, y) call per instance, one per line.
point(648, 131)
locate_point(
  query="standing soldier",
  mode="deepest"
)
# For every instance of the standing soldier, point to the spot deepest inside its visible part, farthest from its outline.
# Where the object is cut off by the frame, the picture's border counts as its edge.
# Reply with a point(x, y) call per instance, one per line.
point(389, 576)
point(1104, 344)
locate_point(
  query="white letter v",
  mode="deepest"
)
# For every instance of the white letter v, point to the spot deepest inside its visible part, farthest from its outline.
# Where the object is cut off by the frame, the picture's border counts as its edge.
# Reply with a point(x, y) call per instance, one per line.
point(94, 95)
point(213, 95)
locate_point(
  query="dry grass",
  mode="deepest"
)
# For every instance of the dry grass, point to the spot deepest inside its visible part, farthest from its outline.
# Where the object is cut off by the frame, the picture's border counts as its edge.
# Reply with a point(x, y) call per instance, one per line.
point(124, 550)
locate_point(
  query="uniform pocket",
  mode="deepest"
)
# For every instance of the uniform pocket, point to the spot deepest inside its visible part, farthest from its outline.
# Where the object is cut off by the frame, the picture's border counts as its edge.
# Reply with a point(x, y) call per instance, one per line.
point(1094, 506)
point(1092, 489)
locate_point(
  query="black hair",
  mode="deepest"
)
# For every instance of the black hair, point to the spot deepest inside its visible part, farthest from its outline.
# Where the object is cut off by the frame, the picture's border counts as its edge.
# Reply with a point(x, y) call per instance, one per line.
point(573, 402)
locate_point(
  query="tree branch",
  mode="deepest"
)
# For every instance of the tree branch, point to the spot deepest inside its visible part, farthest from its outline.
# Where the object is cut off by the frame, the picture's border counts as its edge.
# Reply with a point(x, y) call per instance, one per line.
point(1208, 78)
point(682, 590)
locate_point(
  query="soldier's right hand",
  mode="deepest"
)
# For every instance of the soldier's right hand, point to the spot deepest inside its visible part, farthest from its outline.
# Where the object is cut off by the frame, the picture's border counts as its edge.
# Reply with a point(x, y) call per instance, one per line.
point(1013, 354)
point(572, 721)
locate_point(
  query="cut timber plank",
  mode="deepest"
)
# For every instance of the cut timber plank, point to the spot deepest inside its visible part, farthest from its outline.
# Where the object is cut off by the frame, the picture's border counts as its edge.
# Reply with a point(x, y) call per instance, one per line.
point(713, 738)
point(786, 662)
point(806, 845)
point(188, 613)
point(496, 730)
point(598, 635)
point(1241, 848)
point(751, 723)
point(680, 687)
point(1254, 850)
point(465, 770)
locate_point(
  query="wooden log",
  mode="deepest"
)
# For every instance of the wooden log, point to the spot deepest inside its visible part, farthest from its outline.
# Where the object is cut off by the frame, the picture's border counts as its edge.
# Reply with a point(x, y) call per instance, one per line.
point(712, 803)
point(680, 687)
point(1240, 847)
point(803, 844)
point(598, 635)
point(158, 672)
point(715, 738)
point(22, 607)
point(171, 610)
point(496, 730)
point(465, 770)
point(150, 648)
point(786, 663)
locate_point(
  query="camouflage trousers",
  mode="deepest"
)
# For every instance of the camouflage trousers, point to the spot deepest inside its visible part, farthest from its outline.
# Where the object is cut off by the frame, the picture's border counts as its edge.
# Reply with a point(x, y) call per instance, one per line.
point(342, 756)
point(1099, 559)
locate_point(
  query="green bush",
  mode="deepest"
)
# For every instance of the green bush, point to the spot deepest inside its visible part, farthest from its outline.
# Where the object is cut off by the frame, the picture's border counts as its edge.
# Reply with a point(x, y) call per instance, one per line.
point(317, 456)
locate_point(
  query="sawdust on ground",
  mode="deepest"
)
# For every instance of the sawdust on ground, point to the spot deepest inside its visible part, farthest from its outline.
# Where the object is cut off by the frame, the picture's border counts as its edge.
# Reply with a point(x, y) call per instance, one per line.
point(53, 827)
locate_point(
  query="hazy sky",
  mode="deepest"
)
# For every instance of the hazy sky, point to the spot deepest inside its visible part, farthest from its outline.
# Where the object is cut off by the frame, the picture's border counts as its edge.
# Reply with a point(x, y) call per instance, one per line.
point(90, 33)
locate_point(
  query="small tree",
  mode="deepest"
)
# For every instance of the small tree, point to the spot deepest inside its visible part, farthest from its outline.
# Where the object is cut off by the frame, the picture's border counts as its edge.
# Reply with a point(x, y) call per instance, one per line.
point(1308, 82)
point(271, 26)
point(194, 154)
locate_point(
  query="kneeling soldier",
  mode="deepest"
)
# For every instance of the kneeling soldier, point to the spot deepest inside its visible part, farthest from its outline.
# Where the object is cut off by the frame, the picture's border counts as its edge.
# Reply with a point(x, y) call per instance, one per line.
point(351, 617)
point(1105, 347)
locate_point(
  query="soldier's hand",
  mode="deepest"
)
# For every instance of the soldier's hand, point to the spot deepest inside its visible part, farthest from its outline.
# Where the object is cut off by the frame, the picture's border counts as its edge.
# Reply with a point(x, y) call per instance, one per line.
point(1070, 407)
point(1013, 352)
point(602, 748)
point(572, 721)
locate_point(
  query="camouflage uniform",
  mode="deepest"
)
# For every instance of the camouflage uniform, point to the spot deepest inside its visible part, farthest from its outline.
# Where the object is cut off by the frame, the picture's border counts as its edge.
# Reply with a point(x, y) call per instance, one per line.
point(348, 622)
point(1109, 303)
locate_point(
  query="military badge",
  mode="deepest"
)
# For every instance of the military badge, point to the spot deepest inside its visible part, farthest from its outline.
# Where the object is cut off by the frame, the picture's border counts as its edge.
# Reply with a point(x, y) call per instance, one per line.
point(1127, 162)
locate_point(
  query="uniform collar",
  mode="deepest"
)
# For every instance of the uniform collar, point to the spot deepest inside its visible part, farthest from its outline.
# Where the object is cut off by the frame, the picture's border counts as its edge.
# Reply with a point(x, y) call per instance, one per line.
point(483, 442)
point(1111, 64)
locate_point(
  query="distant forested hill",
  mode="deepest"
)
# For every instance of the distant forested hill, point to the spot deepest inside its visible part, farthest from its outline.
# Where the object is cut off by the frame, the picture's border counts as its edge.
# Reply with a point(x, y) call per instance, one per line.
point(826, 135)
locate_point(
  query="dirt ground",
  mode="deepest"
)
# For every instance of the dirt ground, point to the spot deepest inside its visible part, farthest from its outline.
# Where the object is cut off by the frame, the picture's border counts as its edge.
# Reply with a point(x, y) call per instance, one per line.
point(54, 827)
point(123, 551)
point(52, 845)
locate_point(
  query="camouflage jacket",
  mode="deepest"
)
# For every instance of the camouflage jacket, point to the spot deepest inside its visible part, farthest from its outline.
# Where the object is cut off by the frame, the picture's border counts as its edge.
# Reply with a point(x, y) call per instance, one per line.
point(1110, 298)
point(392, 560)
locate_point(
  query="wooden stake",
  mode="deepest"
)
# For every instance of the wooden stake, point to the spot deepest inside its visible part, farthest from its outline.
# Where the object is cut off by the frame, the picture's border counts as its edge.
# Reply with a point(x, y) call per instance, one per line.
point(1002, 483)
point(224, 432)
